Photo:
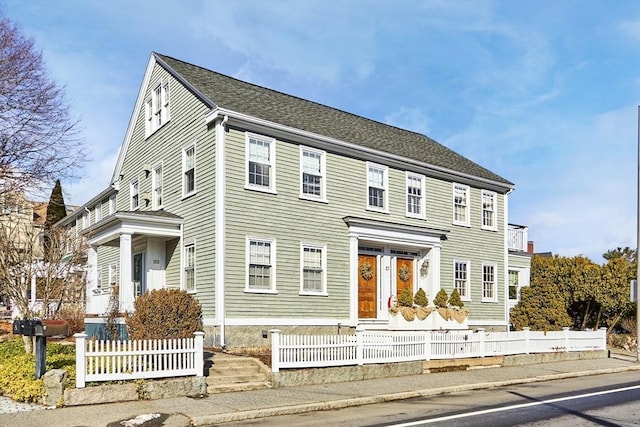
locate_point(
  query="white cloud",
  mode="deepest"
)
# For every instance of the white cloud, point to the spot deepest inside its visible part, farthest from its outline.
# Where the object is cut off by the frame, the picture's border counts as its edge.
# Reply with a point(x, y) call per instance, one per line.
point(409, 118)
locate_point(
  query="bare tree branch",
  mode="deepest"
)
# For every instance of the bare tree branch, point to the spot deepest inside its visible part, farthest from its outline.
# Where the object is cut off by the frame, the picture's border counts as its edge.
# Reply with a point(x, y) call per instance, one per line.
point(39, 141)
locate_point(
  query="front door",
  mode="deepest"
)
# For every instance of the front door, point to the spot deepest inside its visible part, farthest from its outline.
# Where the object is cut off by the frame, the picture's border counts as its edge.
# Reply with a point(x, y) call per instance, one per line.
point(138, 275)
point(404, 275)
point(367, 286)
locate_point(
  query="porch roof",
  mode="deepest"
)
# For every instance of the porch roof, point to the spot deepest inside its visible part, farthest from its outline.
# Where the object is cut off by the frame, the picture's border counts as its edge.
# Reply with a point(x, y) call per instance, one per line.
point(160, 224)
point(392, 232)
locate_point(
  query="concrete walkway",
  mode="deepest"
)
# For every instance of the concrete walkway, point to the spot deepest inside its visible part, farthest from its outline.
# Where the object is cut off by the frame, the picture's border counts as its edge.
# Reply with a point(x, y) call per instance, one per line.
point(246, 405)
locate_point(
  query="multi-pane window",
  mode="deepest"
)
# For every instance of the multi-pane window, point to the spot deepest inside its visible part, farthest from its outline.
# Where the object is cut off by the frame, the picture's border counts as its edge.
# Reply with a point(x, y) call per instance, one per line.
point(461, 278)
point(313, 270)
point(85, 220)
point(188, 170)
point(513, 284)
point(489, 282)
point(461, 204)
point(98, 212)
point(489, 210)
point(135, 195)
point(260, 163)
point(312, 173)
point(157, 187)
point(157, 108)
point(377, 187)
point(260, 269)
point(189, 267)
point(415, 196)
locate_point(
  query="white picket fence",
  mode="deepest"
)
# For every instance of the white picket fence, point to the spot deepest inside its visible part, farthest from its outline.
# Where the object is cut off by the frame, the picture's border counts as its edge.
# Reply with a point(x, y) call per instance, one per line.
point(366, 347)
point(128, 360)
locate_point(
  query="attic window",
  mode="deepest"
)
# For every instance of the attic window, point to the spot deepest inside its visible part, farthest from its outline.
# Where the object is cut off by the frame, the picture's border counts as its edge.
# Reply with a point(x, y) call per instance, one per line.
point(157, 108)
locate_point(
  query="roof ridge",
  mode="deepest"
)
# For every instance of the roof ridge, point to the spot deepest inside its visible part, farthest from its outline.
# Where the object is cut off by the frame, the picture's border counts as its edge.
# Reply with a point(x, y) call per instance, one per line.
point(297, 97)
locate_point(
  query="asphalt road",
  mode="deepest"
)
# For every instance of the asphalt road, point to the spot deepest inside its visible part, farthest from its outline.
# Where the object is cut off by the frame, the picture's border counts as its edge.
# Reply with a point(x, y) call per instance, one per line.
point(605, 400)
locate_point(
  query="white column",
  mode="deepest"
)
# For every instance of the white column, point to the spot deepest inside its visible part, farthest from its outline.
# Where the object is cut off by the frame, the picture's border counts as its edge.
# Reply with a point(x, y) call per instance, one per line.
point(353, 279)
point(126, 286)
point(434, 272)
point(92, 277)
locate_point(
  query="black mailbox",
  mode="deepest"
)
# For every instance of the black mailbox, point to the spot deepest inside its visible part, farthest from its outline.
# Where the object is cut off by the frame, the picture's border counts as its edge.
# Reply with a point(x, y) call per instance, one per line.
point(41, 329)
point(27, 327)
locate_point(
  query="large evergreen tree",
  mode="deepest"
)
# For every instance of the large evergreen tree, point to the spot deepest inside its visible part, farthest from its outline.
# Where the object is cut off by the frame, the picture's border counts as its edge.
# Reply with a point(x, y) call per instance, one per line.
point(56, 210)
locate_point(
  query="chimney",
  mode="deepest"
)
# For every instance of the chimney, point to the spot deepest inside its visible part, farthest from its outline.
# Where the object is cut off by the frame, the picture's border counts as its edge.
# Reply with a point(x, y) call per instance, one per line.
point(530, 247)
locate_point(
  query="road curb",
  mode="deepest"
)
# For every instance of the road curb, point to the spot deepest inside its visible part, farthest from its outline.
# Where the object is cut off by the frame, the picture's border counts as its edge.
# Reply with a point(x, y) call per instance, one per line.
point(368, 400)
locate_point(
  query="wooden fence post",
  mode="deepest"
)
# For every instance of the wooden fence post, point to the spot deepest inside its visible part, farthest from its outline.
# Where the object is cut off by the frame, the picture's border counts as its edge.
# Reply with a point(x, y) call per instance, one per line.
point(199, 356)
point(359, 345)
point(427, 345)
point(483, 337)
point(603, 331)
point(81, 362)
point(275, 350)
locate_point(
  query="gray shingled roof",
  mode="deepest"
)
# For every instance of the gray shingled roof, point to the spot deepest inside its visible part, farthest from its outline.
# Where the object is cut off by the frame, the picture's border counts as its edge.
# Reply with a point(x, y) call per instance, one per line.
point(233, 94)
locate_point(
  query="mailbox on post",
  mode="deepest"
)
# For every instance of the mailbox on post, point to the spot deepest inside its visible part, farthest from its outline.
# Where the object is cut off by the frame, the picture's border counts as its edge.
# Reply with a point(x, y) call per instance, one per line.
point(41, 329)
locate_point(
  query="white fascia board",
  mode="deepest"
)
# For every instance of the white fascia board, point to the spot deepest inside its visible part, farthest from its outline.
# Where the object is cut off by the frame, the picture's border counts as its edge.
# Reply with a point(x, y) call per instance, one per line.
point(132, 120)
point(315, 140)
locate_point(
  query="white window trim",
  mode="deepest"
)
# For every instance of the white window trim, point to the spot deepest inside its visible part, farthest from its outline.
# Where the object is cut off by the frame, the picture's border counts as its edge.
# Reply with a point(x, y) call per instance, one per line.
point(495, 210)
point(97, 212)
point(323, 249)
point(272, 163)
point(466, 297)
point(112, 204)
point(494, 289)
point(467, 190)
point(186, 148)
point(152, 101)
point(423, 204)
point(131, 194)
point(86, 219)
point(113, 275)
point(155, 204)
point(188, 244)
point(98, 278)
point(323, 174)
point(247, 289)
point(385, 186)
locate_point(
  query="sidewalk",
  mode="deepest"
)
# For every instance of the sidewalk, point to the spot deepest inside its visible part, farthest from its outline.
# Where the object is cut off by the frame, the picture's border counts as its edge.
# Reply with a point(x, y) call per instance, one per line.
point(246, 405)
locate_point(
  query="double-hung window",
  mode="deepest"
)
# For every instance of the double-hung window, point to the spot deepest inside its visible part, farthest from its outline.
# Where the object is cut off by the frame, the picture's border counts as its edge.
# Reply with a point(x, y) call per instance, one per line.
point(461, 278)
point(489, 284)
point(489, 221)
point(261, 274)
point(514, 290)
point(313, 274)
point(188, 170)
point(377, 186)
point(86, 220)
point(157, 108)
point(134, 191)
point(312, 174)
point(415, 195)
point(190, 267)
point(260, 163)
point(157, 186)
point(461, 204)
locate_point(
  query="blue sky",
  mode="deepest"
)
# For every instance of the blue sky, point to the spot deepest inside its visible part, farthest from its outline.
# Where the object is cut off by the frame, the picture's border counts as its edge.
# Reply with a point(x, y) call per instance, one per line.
point(544, 93)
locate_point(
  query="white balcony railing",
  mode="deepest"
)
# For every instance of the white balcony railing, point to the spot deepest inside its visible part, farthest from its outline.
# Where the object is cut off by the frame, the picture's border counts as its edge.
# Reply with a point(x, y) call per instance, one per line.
point(517, 238)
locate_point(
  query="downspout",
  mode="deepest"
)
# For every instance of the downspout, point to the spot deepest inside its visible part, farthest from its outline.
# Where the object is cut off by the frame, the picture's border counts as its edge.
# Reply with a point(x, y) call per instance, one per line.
point(220, 220)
